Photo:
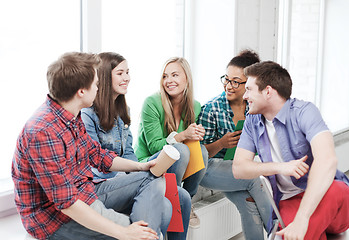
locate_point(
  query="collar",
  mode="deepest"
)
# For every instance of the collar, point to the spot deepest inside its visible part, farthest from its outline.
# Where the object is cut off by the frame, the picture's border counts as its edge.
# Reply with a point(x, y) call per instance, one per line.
point(284, 112)
point(226, 104)
point(67, 117)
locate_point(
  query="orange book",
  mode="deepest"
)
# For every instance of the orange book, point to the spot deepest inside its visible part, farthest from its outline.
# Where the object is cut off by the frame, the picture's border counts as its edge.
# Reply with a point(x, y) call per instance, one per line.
point(196, 161)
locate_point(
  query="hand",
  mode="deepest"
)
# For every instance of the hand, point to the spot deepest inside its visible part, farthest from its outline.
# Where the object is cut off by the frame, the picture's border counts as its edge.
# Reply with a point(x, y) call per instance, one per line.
point(296, 230)
point(139, 230)
point(146, 166)
point(194, 132)
point(230, 139)
point(296, 168)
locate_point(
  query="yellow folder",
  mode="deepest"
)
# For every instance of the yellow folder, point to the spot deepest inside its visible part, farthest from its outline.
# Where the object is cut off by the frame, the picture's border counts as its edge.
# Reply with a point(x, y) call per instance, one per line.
point(196, 162)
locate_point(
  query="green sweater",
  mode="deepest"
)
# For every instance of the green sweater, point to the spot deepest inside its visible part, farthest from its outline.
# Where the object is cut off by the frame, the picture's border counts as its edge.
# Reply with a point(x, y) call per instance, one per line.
point(152, 133)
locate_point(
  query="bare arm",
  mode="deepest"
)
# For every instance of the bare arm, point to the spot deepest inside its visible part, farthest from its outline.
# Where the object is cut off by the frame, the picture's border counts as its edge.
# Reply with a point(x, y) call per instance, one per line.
point(213, 148)
point(86, 216)
point(229, 140)
point(320, 178)
point(126, 165)
point(245, 168)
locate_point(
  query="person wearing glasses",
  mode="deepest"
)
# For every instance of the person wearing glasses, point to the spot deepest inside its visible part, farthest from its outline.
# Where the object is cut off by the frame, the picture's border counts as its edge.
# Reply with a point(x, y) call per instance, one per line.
point(219, 117)
point(169, 117)
point(107, 121)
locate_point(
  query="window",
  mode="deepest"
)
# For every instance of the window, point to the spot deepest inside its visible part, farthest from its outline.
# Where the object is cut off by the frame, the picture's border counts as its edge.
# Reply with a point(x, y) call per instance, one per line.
point(303, 48)
point(335, 71)
point(314, 50)
point(146, 33)
point(33, 34)
point(209, 44)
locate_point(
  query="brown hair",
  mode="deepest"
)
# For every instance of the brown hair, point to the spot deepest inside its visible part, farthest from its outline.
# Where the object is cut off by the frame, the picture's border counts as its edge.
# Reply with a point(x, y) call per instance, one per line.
point(187, 103)
point(71, 72)
point(269, 73)
point(105, 106)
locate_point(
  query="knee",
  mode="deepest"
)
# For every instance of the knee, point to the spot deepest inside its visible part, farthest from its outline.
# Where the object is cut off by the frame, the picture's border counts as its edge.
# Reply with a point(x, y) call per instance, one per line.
point(167, 212)
point(337, 191)
point(159, 186)
point(183, 151)
point(255, 183)
point(184, 196)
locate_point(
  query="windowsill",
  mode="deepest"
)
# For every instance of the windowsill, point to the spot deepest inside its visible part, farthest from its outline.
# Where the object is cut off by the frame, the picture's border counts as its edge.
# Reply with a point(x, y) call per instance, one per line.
point(7, 204)
point(11, 228)
point(341, 137)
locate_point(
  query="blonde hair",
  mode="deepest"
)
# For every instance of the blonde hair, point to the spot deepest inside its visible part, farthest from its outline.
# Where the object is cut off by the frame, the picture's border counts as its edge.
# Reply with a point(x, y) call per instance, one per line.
point(187, 103)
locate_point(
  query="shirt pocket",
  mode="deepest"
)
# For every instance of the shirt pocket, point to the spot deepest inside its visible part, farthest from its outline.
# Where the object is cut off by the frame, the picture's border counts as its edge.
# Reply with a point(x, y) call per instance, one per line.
point(300, 150)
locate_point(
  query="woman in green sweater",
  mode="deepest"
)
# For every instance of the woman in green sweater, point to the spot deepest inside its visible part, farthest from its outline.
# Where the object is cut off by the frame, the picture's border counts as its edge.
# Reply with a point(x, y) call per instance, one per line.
point(169, 117)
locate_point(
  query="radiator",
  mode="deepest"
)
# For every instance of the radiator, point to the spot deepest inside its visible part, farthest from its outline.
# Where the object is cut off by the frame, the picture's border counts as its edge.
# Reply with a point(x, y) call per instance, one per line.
point(219, 219)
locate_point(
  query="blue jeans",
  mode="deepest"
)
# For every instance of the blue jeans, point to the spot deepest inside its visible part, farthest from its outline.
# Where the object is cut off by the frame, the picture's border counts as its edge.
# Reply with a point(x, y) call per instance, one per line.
point(254, 214)
point(191, 183)
point(185, 202)
point(125, 199)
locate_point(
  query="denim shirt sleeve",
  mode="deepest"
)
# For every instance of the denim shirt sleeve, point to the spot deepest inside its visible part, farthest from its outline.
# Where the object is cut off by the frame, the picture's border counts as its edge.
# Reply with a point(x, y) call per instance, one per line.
point(128, 151)
point(90, 123)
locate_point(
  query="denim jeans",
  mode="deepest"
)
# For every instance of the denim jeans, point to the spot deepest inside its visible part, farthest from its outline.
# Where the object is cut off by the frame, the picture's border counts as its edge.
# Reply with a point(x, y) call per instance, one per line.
point(191, 183)
point(125, 199)
point(185, 202)
point(254, 215)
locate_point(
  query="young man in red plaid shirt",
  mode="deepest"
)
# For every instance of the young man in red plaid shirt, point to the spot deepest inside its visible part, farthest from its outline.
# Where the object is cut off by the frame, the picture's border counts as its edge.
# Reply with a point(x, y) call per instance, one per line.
point(54, 189)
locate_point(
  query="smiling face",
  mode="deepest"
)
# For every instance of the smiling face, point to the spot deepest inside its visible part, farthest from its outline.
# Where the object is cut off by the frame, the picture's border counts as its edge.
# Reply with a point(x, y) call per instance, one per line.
point(256, 99)
point(235, 74)
point(120, 79)
point(174, 80)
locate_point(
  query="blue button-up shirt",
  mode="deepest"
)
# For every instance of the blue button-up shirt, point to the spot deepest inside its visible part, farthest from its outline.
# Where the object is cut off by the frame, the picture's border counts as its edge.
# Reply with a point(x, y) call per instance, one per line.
point(296, 124)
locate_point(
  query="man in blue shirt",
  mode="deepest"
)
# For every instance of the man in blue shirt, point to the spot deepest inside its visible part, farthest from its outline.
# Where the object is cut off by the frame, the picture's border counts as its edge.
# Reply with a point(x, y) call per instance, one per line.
point(297, 153)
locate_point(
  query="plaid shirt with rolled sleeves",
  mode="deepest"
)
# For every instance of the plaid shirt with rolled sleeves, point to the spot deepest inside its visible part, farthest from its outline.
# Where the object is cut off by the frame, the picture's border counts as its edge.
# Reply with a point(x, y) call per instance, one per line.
point(216, 117)
point(51, 168)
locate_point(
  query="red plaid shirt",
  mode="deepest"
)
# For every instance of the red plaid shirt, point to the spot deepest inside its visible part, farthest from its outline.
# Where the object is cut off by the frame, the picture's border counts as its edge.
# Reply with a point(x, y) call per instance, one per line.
point(51, 168)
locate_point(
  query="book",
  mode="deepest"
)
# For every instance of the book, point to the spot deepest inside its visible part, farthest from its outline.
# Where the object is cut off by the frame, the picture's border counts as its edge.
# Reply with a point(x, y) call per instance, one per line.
point(196, 161)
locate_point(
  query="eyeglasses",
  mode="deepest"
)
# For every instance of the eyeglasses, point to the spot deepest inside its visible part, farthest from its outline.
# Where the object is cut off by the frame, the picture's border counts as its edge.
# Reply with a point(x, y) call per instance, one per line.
point(235, 84)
